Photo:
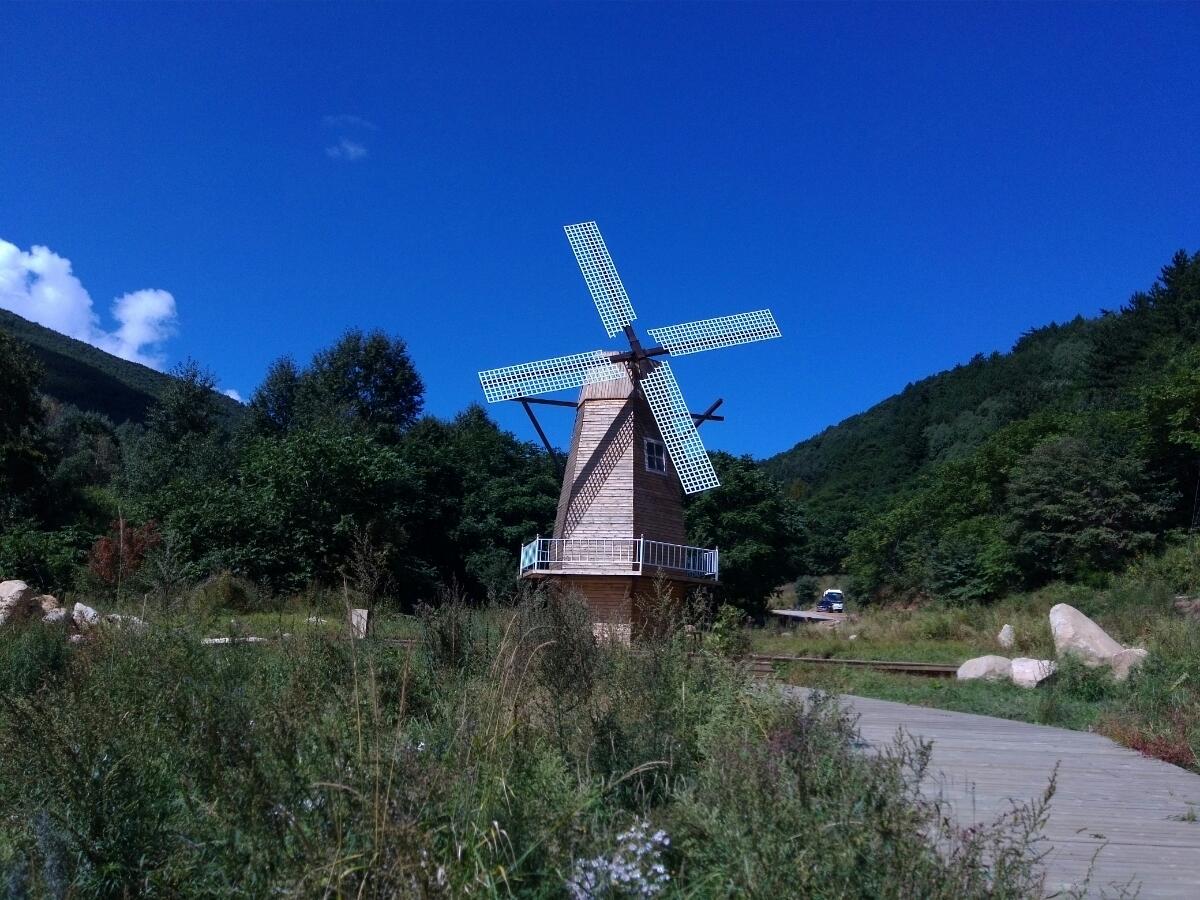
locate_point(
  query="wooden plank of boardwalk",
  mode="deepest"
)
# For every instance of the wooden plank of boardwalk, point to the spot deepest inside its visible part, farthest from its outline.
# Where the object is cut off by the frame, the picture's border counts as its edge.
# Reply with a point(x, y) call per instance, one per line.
point(1116, 812)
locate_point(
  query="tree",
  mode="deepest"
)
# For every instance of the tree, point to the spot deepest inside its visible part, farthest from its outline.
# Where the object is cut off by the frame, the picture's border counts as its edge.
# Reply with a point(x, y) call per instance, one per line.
point(1079, 504)
point(293, 507)
point(759, 533)
point(366, 380)
point(273, 404)
point(510, 493)
point(971, 561)
point(188, 406)
point(488, 493)
point(20, 403)
point(369, 378)
point(185, 439)
point(23, 460)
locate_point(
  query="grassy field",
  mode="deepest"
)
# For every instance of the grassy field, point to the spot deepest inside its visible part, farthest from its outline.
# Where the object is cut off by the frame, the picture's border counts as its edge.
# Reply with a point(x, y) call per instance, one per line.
point(1157, 711)
point(506, 753)
point(1051, 705)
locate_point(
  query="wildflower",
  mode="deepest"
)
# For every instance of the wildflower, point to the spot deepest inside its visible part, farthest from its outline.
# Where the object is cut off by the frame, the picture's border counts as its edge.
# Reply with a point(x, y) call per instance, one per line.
point(633, 869)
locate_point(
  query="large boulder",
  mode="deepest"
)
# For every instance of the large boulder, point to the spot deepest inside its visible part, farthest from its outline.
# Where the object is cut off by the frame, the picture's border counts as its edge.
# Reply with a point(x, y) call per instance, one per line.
point(17, 601)
point(1078, 635)
point(990, 668)
point(1126, 661)
point(1007, 637)
point(85, 617)
point(10, 590)
point(55, 616)
point(1029, 673)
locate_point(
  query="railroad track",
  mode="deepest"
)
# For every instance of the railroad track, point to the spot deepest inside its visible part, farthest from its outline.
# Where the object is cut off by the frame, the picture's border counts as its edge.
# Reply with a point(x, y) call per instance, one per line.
point(764, 665)
point(761, 664)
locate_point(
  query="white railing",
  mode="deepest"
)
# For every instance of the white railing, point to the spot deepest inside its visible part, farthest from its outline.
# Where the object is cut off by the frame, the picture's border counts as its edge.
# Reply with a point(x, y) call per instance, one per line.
point(617, 556)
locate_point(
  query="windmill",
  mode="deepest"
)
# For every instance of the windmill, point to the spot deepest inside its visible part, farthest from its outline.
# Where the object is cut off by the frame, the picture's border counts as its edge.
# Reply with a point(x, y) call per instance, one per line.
point(635, 445)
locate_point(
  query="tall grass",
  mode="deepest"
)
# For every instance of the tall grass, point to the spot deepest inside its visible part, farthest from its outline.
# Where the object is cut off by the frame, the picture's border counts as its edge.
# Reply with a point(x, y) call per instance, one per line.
point(507, 754)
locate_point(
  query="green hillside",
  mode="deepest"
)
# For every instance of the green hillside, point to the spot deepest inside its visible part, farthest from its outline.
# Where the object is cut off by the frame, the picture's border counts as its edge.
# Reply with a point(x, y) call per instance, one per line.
point(79, 374)
point(932, 478)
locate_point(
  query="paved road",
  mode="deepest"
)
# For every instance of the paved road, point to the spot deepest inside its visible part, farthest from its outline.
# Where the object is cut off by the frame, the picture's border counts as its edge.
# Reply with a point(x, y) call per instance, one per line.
point(1135, 811)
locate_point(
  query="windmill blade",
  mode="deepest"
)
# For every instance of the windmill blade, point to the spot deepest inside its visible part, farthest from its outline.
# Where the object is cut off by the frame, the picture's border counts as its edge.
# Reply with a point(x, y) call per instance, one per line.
point(678, 431)
point(601, 276)
point(712, 334)
point(547, 375)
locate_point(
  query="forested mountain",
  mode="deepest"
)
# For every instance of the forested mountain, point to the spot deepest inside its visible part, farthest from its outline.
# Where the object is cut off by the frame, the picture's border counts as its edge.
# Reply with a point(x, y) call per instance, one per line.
point(86, 377)
point(1064, 456)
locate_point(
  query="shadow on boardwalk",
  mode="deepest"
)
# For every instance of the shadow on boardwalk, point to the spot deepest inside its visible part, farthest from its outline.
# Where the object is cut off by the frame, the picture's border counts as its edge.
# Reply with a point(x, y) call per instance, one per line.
point(1140, 814)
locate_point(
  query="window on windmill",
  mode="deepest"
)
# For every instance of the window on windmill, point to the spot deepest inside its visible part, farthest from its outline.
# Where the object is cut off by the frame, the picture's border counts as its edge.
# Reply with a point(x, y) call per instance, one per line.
point(656, 456)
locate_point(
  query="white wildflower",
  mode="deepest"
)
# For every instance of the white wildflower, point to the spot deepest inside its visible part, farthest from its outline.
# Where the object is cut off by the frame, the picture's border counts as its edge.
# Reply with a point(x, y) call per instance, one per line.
point(634, 869)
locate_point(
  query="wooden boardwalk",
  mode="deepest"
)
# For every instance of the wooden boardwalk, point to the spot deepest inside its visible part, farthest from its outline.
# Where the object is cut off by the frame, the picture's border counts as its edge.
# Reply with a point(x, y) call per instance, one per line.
point(1138, 818)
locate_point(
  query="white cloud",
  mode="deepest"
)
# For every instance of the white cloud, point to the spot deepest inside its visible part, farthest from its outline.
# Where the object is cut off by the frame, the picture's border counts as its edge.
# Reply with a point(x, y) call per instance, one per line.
point(350, 151)
point(232, 392)
point(40, 286)
point(347, 121)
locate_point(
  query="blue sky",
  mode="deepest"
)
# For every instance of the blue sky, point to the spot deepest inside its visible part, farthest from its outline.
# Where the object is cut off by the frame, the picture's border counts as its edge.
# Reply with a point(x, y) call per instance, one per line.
point(904, 185)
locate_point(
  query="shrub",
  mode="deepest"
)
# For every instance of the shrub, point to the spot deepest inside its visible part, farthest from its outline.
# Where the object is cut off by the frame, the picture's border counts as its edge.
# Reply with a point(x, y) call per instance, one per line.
point(119, 554)
point(49, 559)
point(1081, 682)
point(806, 588)
point(226, 591)
point(728, 636)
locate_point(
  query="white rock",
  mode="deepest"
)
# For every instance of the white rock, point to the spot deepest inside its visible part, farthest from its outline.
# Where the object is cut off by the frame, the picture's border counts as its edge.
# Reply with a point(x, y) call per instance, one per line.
point(85, 617)
point(1007, 637)
point(249, 639)
point(77, 638)
point(1075, 633)
point(1126, 661)
point(119, 621)
point(853, 637)
point(17, 601)
point(1031, 672)
point(359, 622)
point(315, 620)
point(54, 616)
point(991, 668)
point(10, 590)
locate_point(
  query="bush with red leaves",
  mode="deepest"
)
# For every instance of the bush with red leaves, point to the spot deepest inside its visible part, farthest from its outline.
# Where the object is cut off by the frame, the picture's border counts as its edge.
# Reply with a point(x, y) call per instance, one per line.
point(1168, 740)
point(121, 552)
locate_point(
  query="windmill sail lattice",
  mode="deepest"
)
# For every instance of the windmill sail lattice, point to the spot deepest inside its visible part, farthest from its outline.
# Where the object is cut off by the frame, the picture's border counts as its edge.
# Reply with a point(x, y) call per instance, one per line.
point(612, 302)
point(713, 334)
point(548, 375)
point(653, 376)
point(678, 430)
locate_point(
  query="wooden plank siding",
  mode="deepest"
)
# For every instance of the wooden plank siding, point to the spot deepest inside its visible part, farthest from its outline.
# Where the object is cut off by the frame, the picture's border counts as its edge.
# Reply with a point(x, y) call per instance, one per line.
point(622, 600)
point(608, 493)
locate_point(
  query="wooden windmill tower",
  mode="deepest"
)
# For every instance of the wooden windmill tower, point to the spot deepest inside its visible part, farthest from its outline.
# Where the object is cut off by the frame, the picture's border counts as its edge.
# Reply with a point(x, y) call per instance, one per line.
point(635, 445)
